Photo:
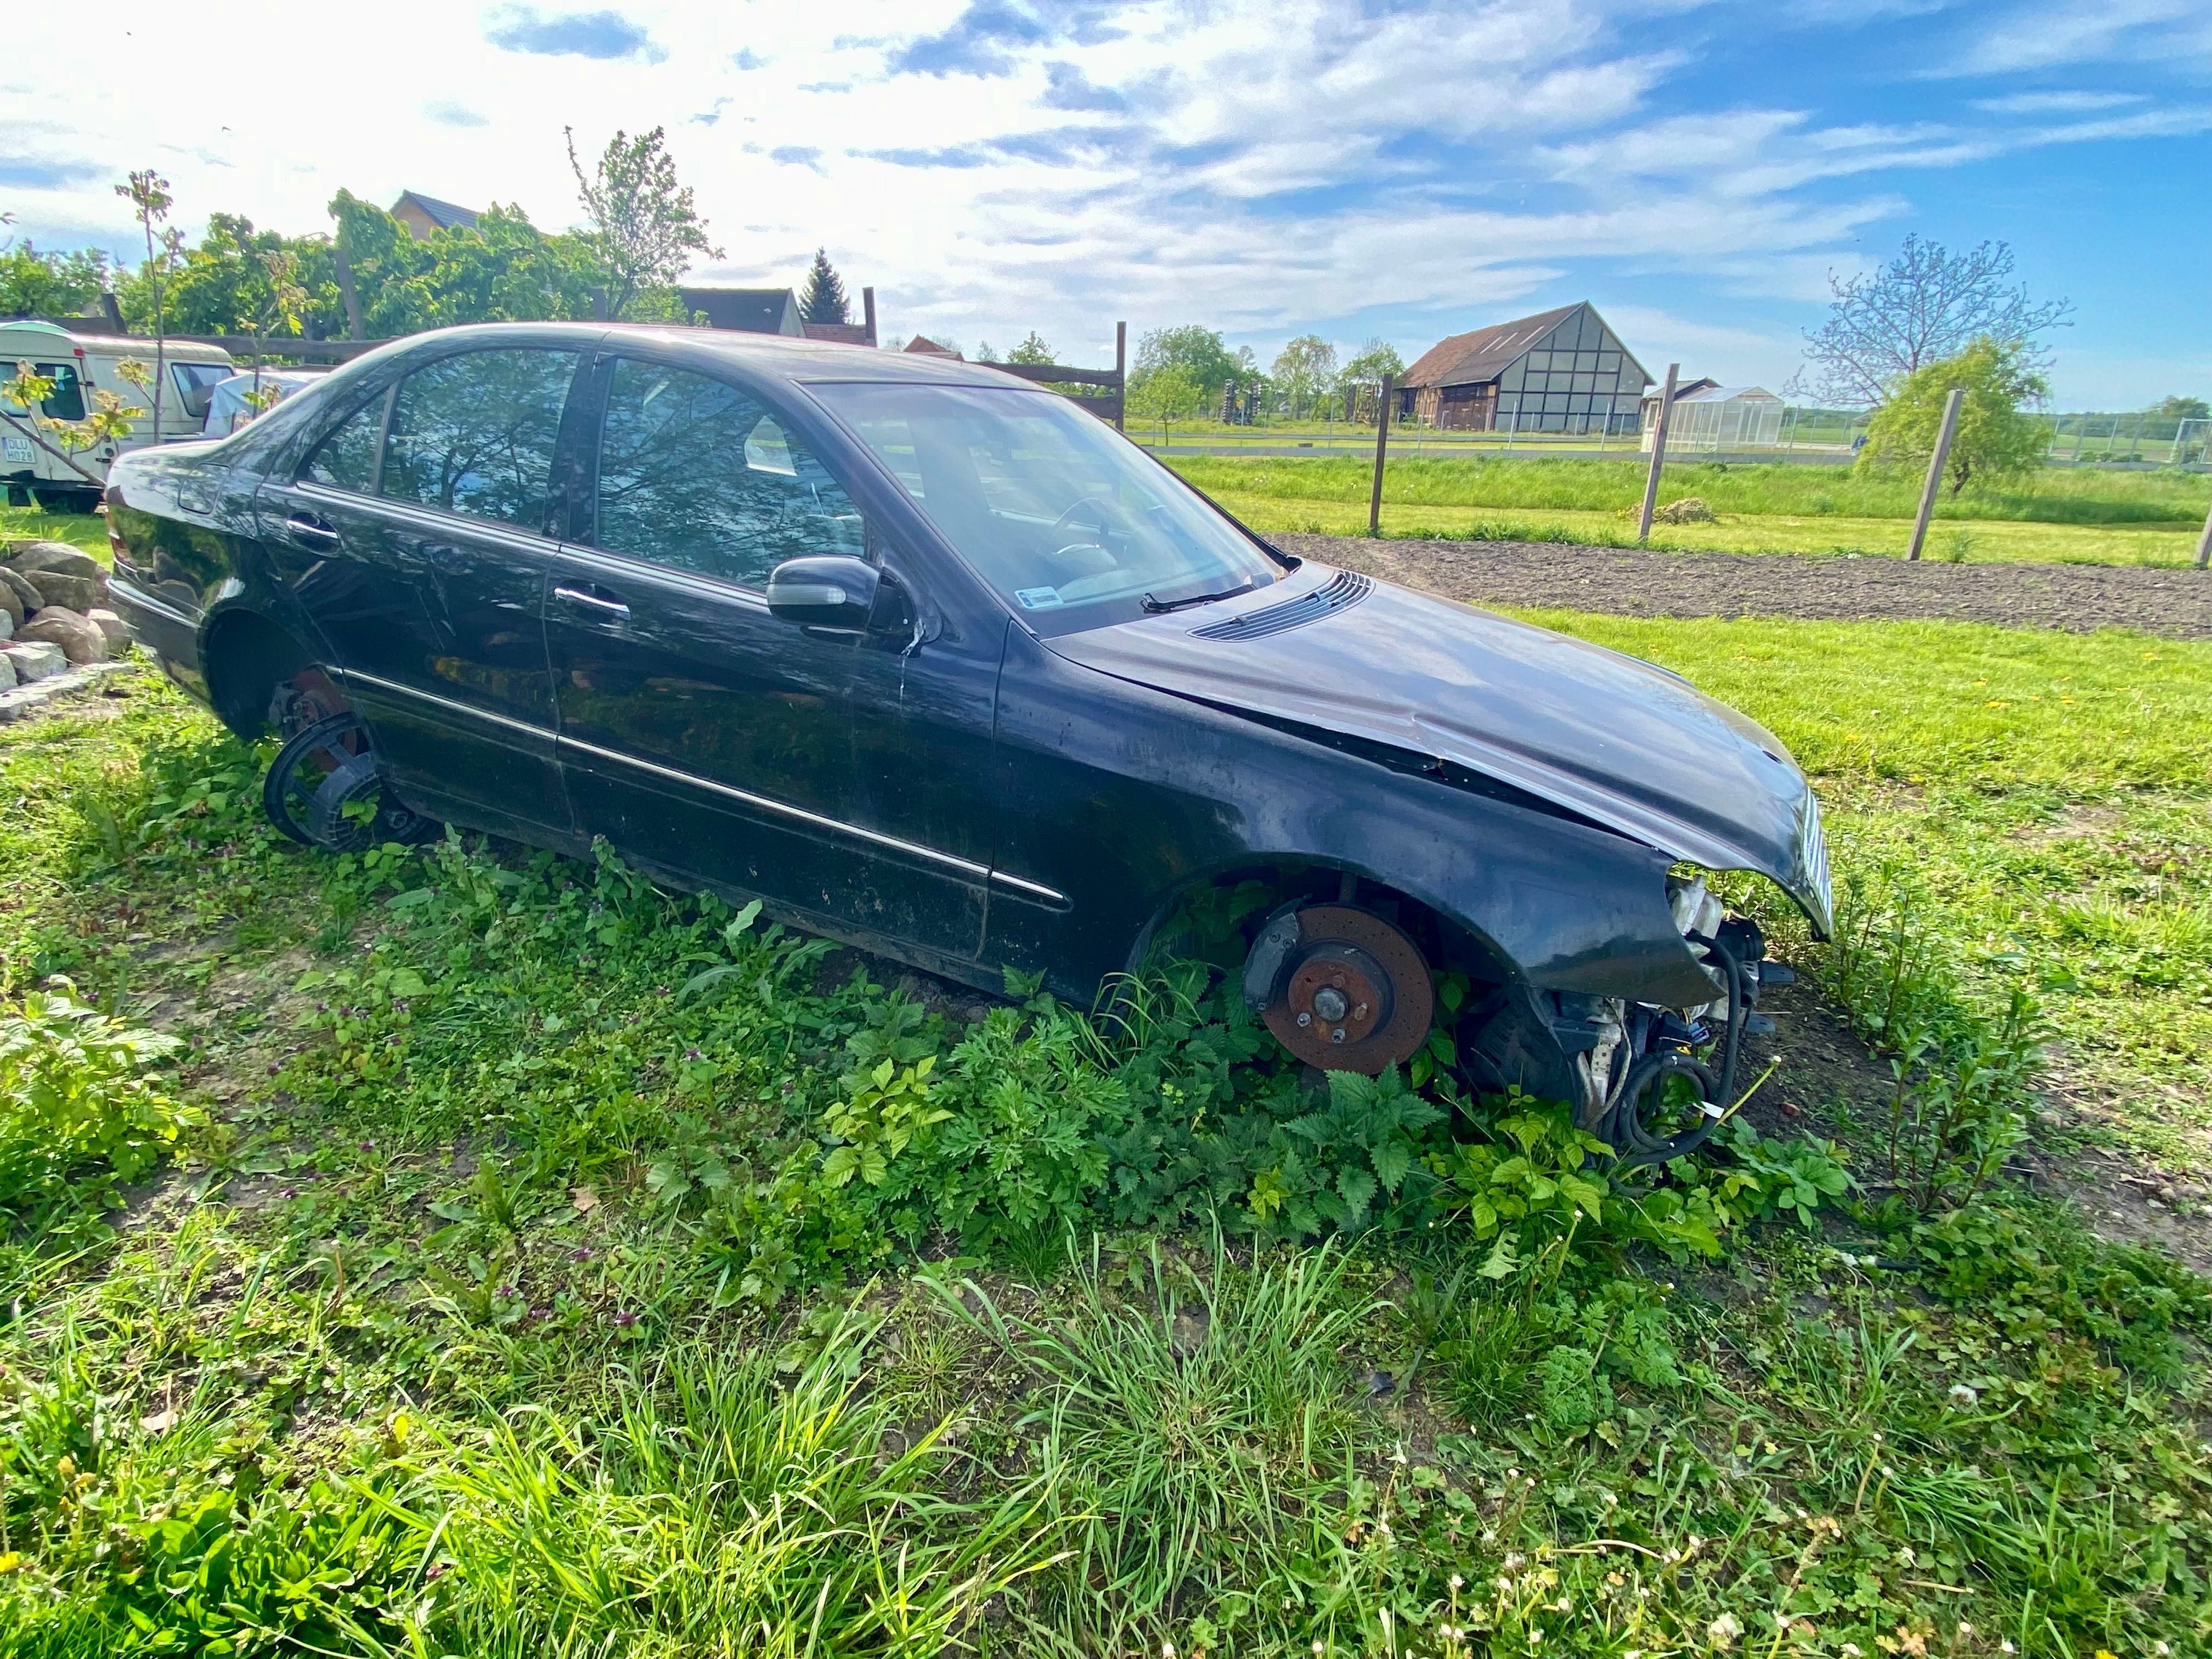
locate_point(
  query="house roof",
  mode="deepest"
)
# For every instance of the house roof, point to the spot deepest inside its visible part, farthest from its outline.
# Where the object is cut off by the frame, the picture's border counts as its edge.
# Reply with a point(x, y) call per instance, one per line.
point(841, 333)
point(444, 215)
point(922, 344)
point(1484, 354)
point(749, 310)
point(1711, 391)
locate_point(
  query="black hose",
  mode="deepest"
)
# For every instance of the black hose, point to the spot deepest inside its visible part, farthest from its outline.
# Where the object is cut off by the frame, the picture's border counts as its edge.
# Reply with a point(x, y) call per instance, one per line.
point(1625, 1122)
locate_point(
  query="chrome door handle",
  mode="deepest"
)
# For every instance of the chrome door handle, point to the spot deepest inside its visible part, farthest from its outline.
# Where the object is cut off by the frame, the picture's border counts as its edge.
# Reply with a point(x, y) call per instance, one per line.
point(305, 527)
point(598, 602)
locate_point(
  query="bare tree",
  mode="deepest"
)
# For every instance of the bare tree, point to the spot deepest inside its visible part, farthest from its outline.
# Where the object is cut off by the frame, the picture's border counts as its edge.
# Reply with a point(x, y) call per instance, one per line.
point(1924, 305)
point(643, 223)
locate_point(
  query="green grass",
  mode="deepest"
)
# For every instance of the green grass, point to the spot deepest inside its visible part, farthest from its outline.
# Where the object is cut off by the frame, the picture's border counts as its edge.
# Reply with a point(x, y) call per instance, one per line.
point(508, 1302)
point(2146, 518)
point(85, 530)
point(2049, 795)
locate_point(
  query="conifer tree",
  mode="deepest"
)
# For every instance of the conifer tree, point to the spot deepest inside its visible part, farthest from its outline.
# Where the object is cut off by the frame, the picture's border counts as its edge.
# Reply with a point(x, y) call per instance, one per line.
point(823, 301)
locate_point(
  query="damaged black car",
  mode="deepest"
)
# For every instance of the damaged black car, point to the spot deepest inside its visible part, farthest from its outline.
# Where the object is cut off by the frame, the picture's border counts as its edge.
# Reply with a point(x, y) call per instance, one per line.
point(935, 663)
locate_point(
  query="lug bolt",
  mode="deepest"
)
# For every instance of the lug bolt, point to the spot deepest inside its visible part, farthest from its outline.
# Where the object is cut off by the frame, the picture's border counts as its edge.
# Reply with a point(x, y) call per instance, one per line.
point(1337, 1035)
point(1304, 1020)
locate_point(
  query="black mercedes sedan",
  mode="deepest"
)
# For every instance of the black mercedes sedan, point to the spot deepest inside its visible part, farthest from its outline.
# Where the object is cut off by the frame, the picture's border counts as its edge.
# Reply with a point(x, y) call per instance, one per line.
point(934, 662)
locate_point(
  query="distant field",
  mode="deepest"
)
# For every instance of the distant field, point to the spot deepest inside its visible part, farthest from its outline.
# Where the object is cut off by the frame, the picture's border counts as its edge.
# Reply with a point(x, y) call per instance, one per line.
point(85, 530)
point(2137, 518)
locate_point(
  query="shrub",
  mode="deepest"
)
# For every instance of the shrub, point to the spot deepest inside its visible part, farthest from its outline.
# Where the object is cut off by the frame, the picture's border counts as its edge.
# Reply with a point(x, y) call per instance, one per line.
point(78, 1110)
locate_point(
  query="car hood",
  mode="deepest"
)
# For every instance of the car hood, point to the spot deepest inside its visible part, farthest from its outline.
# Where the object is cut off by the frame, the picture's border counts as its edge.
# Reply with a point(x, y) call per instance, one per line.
point(1611, 739)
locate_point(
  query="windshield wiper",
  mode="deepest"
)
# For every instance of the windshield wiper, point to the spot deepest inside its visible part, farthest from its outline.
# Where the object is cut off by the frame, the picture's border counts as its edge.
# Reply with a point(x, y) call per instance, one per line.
point(1160, 607)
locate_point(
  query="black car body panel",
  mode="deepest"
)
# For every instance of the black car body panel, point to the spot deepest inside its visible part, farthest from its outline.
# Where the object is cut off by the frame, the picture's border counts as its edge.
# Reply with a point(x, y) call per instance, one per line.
point(1609, 737)
point(969, 788)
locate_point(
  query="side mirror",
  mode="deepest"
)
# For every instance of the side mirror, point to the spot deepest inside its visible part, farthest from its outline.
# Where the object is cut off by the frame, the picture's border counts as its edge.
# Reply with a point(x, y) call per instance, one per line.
point(832, 590)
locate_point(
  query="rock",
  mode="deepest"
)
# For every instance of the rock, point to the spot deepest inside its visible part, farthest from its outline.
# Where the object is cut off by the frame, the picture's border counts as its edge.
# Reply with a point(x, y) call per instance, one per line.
point(25, 596)
point(12, 606)
point(80, 638)
point(77, 593)
point(36, 659)
point(7, 672)
point(7, 626)
point(30, 557)
point(117, 630)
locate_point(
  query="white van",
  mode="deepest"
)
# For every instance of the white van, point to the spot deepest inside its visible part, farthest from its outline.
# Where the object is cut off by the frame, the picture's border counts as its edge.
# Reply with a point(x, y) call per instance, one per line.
point(79, 365)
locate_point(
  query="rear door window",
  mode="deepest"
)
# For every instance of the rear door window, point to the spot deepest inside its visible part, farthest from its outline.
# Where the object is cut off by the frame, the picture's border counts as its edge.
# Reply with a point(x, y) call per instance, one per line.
point(347, 458)
point(476, 435)
point(696, 475)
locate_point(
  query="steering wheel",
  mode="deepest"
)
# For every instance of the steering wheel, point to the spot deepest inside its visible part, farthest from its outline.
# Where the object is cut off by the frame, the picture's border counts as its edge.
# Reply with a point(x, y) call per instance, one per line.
point(1063, 522)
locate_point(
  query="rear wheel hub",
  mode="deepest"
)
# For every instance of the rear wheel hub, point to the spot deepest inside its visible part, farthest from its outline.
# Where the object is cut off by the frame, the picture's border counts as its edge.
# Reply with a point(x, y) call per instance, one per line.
point(1354, 995)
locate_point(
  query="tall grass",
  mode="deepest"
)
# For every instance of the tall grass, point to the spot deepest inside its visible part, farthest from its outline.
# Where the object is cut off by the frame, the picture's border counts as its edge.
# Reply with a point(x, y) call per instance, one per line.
point(2047, 497)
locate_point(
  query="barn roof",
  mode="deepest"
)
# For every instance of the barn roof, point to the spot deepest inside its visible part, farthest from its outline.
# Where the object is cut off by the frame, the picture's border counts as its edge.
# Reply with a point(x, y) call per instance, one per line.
point(1484, 354)
point(444, 215)
point(749, 310)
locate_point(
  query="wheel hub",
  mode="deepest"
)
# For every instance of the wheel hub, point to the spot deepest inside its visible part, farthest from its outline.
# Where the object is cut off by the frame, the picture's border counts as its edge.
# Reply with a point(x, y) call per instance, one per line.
point(1354, 995)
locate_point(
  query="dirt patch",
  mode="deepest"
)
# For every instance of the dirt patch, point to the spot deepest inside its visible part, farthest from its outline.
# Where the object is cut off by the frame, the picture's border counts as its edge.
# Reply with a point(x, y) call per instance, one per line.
point(2077, 598)
point(1825, 1082)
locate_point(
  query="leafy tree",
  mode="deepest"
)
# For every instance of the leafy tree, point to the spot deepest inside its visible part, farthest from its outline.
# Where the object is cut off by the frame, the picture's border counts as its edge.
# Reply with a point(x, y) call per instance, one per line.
point(49, 284)
point(1305, 372)
point(1994, 436)
point(1927, 304)
point(2168, 409)
point(1192, 347)
point(148, 193)
point(1171, 393)
point(824, 300)
point(645, 226)
point(1364, 372)
point(1031, 351)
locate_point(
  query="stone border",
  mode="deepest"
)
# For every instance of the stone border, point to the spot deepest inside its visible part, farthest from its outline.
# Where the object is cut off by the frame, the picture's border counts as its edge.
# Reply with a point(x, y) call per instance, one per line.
point(15, 704)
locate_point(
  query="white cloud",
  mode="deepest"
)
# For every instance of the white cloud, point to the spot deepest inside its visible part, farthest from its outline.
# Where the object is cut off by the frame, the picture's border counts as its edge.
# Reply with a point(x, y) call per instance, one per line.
point(1266, 165)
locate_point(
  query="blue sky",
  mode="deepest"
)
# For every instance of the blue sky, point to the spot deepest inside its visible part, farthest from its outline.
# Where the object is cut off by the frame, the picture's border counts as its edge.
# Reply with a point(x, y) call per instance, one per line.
point(1266, 166)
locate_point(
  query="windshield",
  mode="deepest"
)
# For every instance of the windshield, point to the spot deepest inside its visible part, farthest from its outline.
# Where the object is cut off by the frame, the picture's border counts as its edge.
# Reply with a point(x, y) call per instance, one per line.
point(1074, 526)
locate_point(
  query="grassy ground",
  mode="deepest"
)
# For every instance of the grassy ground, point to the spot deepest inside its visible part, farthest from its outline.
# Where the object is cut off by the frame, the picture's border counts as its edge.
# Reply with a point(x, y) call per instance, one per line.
point(553, 1266)
point(2118, 518)
point(85, 530)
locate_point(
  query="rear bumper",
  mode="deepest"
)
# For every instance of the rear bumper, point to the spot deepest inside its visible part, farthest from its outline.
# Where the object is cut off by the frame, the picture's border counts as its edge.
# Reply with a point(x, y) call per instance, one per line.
point(171, 635)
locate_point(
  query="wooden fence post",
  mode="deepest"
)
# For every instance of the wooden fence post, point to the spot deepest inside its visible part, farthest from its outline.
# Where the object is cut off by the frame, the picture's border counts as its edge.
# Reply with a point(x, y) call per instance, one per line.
point(1658, 454)
point(1121, 373)
point(2204, 544)
point(1381, 445)
point(1936, 468)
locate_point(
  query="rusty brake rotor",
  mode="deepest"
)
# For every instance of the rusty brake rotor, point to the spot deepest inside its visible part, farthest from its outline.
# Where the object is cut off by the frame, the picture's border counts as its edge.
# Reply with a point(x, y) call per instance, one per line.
point(1354, 995)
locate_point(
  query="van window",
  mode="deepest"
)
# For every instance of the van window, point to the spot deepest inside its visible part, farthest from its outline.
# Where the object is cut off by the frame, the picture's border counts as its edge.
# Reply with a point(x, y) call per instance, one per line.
point(195, 381)
point(68, 401)
point(475, 434)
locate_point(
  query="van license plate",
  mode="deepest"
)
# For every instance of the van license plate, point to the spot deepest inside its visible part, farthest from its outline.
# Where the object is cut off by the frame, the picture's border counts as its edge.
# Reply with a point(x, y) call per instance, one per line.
point(17, 450)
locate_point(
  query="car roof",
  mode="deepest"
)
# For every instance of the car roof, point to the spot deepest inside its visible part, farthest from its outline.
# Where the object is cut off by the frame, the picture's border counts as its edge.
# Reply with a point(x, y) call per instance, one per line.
point(782, 356)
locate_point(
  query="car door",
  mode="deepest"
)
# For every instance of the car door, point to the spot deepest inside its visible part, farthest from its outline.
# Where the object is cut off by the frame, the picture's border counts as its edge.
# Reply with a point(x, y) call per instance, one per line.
point(415, 538)
point(698, 733)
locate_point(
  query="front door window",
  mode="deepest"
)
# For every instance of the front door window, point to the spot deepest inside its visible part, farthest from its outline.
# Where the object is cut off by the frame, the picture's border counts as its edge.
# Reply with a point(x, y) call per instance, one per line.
point(696, 475)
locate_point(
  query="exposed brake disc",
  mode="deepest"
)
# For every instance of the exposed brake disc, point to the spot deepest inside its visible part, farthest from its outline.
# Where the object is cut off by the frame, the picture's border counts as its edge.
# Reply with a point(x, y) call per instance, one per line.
point(1350, 993)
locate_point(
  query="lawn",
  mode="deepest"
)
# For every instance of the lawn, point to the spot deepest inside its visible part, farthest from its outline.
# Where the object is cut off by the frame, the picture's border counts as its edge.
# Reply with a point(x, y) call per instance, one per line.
point(2140, 518)
point(85, 530)
point(552, 1266)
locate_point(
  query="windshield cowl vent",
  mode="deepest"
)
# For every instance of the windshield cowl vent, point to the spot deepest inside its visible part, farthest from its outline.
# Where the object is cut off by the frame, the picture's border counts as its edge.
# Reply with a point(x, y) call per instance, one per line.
point(1339, 592)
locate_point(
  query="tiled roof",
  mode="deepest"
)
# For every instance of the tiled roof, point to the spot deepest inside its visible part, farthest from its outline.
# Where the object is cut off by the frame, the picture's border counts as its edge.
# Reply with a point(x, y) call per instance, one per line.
point(444, 215)
point(1482, 355)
